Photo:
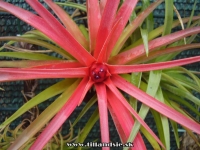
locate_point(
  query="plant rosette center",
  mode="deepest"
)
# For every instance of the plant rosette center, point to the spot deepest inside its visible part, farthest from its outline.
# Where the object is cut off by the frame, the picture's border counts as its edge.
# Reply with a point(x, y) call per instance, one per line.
point(98, 72)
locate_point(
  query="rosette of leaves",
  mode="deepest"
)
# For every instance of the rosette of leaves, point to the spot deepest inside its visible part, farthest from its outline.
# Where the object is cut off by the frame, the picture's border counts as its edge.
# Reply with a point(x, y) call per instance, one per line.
point(119, 52)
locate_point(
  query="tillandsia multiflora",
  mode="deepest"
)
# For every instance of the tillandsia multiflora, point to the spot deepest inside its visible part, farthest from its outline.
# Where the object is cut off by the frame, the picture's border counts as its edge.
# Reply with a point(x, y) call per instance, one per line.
point(103, 57)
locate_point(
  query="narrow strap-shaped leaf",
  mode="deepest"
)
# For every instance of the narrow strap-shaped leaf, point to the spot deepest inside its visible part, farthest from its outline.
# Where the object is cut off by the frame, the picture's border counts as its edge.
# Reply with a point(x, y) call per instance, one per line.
point(163, 126)
point(105, 52)
point(181, 93)
point(30, 56)
point(144, 33)
point(154, 54)
point(94, 18)
point(74, 5)
point(72, 46)
point(45, 64)
point(37, 42)
point(118, 126)
point(64, 39)
point(169, 14)
point(129, 55)
point(106, 24)
point(192, 14)
point(68, 23)
point(125, 119)
point(103, 113)
point(120, 69)
point(113, 88)
point(12, 74)
point(155, 104)
point(60, 117)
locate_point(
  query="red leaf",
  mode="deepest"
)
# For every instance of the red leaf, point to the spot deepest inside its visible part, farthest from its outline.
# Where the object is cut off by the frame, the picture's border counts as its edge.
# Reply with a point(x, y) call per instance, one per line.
point(117, 124)
point(94, 18)
point(60, 117)
point(45, 64)
point(63, 64)
point(103, 113)
point(120, 69)
point(13, 74)
point(105, 25)
point(155, 104)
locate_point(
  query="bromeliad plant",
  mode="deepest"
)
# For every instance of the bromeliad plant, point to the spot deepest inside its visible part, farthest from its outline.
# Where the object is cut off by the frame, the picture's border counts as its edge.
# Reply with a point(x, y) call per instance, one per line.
point(110, 59)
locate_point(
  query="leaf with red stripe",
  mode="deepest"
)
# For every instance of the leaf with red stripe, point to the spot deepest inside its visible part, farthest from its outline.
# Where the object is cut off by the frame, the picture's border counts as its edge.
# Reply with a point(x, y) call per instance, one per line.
point(121, 69)
point(103, 113)
point(94, 19)
point(14, 74)
point(154, 54)
point(43, 64)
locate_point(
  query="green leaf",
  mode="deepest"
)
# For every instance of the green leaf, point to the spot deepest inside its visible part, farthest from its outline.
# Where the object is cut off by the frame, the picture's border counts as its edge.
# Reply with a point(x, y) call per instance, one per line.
point(175, 131)
point(182, 102)
point(169, 14)
point(136, 80)
point(169, 79)
point(84, 31)
point(181, 93)
point(192, 14)
point(35, 41)
point(149, 21)
point(144, 33)
point(74, 5)
point(30, 56)
point(164, 124)
point(184, 80)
